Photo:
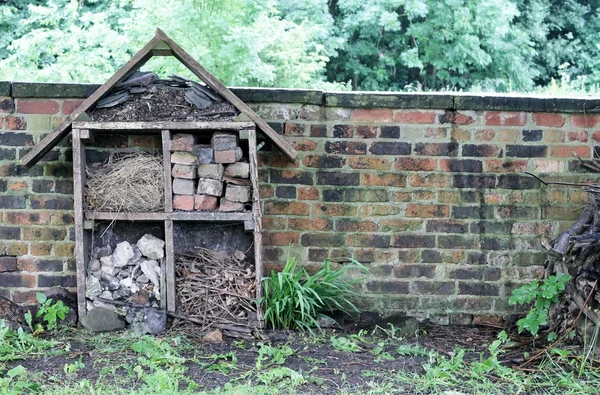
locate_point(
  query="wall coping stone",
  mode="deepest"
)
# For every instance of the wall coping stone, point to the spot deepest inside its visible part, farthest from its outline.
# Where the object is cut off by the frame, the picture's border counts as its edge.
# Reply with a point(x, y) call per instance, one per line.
point(397, 100)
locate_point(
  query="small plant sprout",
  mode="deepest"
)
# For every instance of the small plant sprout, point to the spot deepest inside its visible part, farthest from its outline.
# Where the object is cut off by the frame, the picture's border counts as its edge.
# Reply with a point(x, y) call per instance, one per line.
point(49, 311)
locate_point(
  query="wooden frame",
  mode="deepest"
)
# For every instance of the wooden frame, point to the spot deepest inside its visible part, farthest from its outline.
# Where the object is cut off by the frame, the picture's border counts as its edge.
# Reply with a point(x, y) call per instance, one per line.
point(84, 219)
point(159, 45)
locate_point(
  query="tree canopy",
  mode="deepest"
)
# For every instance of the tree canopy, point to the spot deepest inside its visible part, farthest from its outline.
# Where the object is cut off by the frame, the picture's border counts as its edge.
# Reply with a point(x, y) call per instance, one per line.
point(514, 45)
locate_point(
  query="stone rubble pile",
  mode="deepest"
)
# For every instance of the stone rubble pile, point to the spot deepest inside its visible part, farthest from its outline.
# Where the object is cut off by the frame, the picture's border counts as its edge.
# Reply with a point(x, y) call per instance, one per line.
point(209, 177)
point(129, 273)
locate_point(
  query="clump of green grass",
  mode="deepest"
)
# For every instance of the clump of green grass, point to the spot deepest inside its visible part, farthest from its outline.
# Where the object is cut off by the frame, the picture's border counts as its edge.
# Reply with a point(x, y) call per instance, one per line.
point(20, 344)
point(293, 298)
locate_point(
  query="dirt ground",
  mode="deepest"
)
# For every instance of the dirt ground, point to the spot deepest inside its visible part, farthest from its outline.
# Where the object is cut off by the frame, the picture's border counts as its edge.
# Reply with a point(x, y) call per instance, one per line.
point(211, 366)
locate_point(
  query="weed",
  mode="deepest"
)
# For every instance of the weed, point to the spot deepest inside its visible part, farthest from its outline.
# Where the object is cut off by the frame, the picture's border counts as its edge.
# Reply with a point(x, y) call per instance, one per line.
point(17, 381)
point(281, 375)
point(49, 311)
point(293, 297)
point(71, 369)
point(345, 344)
point(20, 344)
point(273, 355)
point(543, 294)
point(156, 353)
point(381, 354)
point(412, 349)
point(314, 361)
point(222, 363)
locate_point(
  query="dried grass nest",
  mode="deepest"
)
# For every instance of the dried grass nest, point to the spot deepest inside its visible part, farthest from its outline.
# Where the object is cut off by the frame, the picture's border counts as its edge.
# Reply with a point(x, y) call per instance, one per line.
point(126, 183)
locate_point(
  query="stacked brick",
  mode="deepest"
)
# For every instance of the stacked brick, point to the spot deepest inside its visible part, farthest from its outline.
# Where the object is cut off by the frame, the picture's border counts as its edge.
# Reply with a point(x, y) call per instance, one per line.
point(211, 177)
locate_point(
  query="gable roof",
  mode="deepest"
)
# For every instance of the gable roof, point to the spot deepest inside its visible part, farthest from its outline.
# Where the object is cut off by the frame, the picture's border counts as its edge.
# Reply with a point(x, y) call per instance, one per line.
point(159, 45)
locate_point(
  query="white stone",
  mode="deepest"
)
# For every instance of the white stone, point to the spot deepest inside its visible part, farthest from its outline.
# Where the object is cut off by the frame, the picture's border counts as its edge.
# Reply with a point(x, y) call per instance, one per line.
point(108, 267)
point(106, 295)
point(151, 247)
point(207, 186)
point(122, 254)
point(143, 279)
point(126, 282)
point(152, 271)
point(94, 265)
point(92, 287)
point(134, 288)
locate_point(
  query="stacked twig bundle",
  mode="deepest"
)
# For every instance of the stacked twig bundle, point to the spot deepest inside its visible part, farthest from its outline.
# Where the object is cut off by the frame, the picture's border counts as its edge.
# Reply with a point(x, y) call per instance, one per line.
point(215, 288)
point(130, 183)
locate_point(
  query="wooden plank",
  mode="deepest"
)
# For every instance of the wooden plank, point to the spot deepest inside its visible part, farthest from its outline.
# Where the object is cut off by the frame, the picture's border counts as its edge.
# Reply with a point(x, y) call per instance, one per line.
point(86, 135)
point(257, 216)
point(162, 52)
point(249, 226)
point(168, 194)
point(141, 57)
point(81, 254)
point(222, 90)
point(170, 265)
point(108, 216)
point(164, 125)
point(210, 216)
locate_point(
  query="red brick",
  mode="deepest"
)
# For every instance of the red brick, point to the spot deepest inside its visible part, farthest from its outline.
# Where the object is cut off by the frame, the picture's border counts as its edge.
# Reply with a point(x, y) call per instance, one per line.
point(36, 106)
point(430, 180)
point(584, 121)
point(420, 117)
point(40, 249)
point(305, 145)
point(436, 133)
point(183, 202)
point(229, 156)
point(427, 211)
point(369, 162)
point(309, 224)
point(26, 218)
point(333, 210)
point(508, 166)
point(205, 202)
point(286, 208)
point(17, 280)
point(295, 129)
point(276, 159)
point(372, 115)
point(70, 105)
point(485, 135)
point(548, 119)
point(488, 320)
point(308, 193)
point(24, 297)
point(415, 164)
point(570, 151)
point(352, 225)
point(182, 142)
point(16, 123)
point(18, 186)
point(496, 118)
point(281, 238)
point(581, 136)
point(366, 132)
point(383, 179)
point(274, 223)
point(266, 191)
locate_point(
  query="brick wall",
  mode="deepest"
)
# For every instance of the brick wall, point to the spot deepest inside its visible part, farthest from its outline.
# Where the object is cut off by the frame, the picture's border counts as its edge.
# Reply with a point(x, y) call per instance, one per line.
point(427, 190)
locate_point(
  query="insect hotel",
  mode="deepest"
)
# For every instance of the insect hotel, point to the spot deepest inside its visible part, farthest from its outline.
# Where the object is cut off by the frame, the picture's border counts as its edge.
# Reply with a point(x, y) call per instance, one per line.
point(167, 209)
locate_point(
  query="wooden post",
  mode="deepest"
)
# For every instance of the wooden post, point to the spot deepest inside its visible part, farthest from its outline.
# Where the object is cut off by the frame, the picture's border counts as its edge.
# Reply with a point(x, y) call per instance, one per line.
point(170, 265)
point(81, 247)
point(166, 142)
point(257, 216)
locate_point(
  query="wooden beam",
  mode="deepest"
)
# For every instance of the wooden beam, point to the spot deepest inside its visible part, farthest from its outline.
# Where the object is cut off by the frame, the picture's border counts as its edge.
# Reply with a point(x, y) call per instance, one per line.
point(108, 216)
point(166, 148)
point(81, 248)
point(222, 90)
point(257, 217)
point(170, 266)
point(163, 125)
point(138, 60)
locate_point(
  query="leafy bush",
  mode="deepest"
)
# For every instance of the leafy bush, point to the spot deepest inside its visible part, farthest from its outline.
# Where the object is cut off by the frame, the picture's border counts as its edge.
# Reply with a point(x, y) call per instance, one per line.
point(293, 297)
point(544, 294)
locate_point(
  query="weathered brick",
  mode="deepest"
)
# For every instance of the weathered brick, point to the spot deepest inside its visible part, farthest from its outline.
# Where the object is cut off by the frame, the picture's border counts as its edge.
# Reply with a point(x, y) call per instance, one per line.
point(369, 162)
point(413, 241)
point(16, 139)
point(570, 151)
point(478, 288)
point(466, 273)
point(337, 178)
point(492, 274)
point(390, 148)
point(506, 166)
point(419, 117)
point(549, 119)
point(496, 118)
point(28, 264)
point(427, 211)
point(355, 225)
point(183, 202)
point(305, 145)
point(44, 233)
point(513, 181)
point(399, 225)
point(184, 187)
point(324, 161)
point(182, 142)
point(51, 203)
point(322, 240)
point(334, 210)
point(481, 150)
point(382, 179)
point(387, 287)
point(580, 136)
point(461, 165)
point(372, 115)
point(286, 208)
point(445, 226)
point(433, 287)
point(281, 238)
point(369, 240)
point(473, 181)
point(285, 192)
point(318, 131)
point(6, 105)
point(184, 158)
point(238, 193)
point(318, 254)
point(491, 227)
point(366, 132)
point(431, 256)
point(390, 132)
point(430, 180)
point(584, 121)
point(464, 212)
point(65, 281)
point(415, 164)
point(365, 195)
point(314, 224)
point(37, 106)
point(457, 242)
point(518, 212)
point(16, 123)
point(229, 156)
point(8, 264)
point(342, 131)
point(17, 280)
point(183, 171)
point(414, 271)
point(454, 117)
point(295, 129)
point(228, 206)
point(333, 195)
point(291, 177)
point(69, 106)
point(42, 186)
point(346, 147)
point(526, 151)
point(532, 135)
point(436, 149)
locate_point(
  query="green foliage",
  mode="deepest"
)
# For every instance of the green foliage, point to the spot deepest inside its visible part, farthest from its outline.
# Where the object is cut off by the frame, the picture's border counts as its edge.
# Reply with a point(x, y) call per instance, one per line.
point(281, 375)
point(543, 294)
point(49, 311)
point(345, 344)
point(293, 297)
point(272, 355)
point(156, 352)
point(20, 345)
point(17, 381)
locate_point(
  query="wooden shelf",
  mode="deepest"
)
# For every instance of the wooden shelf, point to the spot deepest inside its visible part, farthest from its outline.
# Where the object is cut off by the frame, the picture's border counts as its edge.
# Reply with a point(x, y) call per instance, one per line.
point(120, 126)
point(175, 216)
